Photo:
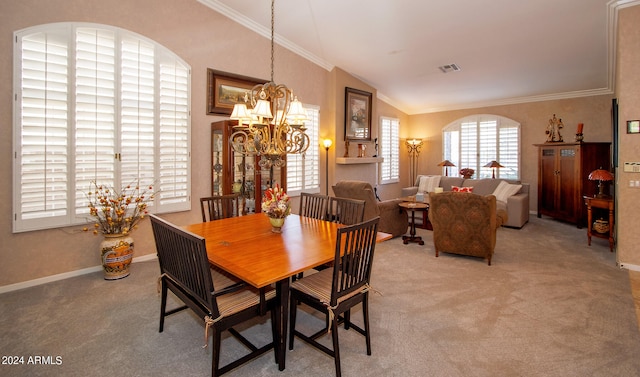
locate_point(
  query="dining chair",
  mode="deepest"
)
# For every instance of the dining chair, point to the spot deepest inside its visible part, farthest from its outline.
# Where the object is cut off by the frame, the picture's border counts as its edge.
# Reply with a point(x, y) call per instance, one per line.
point(313, 205)
point(334, 291)
point(214, 296)
point(346, 211)
point(219, 207)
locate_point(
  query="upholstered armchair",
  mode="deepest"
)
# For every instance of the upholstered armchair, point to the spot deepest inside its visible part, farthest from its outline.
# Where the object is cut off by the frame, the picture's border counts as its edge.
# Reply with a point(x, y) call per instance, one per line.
point(392, 219)
point(465, 223)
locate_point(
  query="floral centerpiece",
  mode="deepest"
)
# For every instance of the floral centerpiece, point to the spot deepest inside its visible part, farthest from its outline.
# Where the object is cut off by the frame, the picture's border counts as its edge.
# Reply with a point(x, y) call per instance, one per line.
point(118, 211)
point(275, 203)
point(467, 172)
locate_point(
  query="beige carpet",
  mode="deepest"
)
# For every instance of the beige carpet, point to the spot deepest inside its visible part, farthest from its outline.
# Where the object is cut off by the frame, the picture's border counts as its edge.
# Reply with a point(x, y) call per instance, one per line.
point(548, 306)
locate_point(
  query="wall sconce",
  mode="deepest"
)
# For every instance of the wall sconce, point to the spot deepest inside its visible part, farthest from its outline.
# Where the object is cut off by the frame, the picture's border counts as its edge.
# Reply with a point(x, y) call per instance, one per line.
point(413, 145)
point(493, 165)
point(601, 175)
point(446, 164)
point(327, 144)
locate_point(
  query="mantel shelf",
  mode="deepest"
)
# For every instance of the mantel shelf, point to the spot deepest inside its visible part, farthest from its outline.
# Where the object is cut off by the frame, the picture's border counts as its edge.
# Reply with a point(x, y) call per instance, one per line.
point(358, 160)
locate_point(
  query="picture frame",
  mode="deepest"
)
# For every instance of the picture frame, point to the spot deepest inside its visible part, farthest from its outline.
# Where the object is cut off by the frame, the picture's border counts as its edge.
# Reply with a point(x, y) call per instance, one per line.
point(357, 115)
point(226, 89)
point(633, 126)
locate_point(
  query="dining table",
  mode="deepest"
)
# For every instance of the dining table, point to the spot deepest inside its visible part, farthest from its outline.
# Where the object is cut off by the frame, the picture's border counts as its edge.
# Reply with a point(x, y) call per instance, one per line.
point(248, 248)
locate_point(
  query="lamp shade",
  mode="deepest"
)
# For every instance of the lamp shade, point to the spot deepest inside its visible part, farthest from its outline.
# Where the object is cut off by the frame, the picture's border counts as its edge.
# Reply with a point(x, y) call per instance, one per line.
point(327, 143)
point(493, 164)
point(600, 175)
point(446, 163)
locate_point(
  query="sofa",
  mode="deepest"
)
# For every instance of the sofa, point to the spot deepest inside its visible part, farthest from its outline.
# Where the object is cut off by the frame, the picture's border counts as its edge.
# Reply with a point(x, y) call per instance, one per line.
point(392, 219)
point(464, 223)
point(516, 206)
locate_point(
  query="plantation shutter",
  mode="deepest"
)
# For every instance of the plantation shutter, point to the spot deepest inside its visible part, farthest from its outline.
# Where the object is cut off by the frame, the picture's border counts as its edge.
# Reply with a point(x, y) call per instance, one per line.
point(303, 172)
point(468, 147)
point(389, 150)
point(95, 111)
point(487, 147)
point(44, 121)
point(509, 154)
point(95, 103)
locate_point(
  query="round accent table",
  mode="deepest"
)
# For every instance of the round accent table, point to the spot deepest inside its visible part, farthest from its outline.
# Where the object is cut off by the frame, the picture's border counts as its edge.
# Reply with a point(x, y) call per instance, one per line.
point(413, 207)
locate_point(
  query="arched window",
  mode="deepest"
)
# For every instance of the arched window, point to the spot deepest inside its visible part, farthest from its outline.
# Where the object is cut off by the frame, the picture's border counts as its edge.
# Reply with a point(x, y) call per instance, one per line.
point(474, 141)
point(96, 103)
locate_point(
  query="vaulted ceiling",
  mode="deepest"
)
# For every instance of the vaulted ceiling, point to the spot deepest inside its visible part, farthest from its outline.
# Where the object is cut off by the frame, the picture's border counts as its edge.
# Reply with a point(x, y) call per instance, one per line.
point(506, 51)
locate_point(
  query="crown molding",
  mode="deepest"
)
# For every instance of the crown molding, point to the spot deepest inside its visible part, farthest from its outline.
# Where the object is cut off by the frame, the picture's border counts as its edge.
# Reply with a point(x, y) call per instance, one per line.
point(265, 32)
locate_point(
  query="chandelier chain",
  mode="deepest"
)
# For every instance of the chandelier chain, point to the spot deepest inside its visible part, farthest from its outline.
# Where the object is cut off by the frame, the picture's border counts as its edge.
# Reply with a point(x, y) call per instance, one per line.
point(272, 36)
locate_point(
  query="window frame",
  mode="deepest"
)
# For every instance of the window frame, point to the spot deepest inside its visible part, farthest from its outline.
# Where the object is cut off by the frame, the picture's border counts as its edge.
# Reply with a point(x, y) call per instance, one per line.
point(169, 118)
point(512, 160)
point(389, 150)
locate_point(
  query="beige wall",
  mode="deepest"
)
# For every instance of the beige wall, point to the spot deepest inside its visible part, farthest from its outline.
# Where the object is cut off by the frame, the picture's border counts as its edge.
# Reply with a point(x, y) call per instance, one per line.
point(200, 36)
point(205, 39)
point(594, 112)
point(628, 94)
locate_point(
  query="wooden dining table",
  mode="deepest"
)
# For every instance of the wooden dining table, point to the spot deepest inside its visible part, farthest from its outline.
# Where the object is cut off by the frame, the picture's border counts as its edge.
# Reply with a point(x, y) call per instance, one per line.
point(247, 248)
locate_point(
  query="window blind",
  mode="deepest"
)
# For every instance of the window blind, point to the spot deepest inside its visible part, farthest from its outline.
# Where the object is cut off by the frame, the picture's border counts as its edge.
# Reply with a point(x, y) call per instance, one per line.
point(96, 103)
point(389, 150)
point(303, 171)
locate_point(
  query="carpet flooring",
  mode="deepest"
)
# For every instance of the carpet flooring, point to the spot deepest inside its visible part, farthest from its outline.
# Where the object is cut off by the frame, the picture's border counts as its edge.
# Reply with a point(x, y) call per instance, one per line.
point(548, 306)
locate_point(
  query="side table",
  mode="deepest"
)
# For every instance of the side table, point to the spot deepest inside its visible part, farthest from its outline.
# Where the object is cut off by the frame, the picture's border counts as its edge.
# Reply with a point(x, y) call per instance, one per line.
point(605, 204)
point(413, 207)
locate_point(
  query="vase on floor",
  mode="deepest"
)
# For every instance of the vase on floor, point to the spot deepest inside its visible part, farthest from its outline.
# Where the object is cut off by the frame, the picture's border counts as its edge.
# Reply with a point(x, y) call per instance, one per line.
point(116, 252)
point(276, 224)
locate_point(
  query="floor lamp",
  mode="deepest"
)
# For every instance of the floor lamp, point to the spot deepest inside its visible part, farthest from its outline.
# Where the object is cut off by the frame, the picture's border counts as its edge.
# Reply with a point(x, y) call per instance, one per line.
point(414, 146)
point(327, 144)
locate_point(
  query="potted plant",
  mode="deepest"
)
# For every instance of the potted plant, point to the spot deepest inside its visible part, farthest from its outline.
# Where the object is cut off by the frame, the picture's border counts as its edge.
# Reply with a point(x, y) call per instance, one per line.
point(116, 213)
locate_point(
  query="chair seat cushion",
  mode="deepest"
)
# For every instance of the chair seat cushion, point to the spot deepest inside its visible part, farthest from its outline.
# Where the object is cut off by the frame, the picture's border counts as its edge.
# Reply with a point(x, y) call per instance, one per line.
point(235, 302)
point(318, 285)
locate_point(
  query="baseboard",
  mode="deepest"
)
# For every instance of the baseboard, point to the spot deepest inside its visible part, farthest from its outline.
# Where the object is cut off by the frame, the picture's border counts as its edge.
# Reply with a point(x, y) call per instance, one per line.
point(66, 275)
point(629, 266)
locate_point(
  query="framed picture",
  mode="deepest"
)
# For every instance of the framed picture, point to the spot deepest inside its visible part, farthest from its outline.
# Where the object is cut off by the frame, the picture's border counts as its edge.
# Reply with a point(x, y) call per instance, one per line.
point(633, 126)
point(357, 115)
point(226, 89)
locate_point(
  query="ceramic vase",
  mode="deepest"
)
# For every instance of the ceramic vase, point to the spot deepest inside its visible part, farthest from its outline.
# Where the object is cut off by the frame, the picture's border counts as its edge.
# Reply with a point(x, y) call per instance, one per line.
point(116, 251)
point(276, 224)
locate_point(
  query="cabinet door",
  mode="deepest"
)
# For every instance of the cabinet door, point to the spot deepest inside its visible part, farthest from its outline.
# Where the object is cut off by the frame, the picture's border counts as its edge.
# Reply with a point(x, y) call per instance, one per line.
point(568, 195)
point(547, 193)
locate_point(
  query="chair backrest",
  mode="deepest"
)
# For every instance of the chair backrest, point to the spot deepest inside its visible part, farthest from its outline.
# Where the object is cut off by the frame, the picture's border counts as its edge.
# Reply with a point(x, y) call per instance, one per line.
point(183, 259)
point(313, 205)
point(353, 260)
point(219, 207)
point(346, 211)
point(359, 190)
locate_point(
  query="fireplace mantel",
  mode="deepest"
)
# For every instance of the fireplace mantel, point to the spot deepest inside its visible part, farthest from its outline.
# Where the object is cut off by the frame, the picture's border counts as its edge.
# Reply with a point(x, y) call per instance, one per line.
point(358, 160)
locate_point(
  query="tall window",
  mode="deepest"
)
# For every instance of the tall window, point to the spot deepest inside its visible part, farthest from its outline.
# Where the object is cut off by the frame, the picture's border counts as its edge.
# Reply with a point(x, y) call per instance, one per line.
point(474, 141)
point(96, 103)
point(303, 171)
point(389, 150)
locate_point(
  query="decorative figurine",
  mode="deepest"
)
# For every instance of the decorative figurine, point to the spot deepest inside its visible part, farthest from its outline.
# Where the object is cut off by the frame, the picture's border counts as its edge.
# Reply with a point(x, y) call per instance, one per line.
point(346, 148)
point(553, 130)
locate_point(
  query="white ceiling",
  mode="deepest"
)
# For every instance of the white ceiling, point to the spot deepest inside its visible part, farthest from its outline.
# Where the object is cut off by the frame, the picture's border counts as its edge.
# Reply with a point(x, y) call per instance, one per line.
point(509, 51)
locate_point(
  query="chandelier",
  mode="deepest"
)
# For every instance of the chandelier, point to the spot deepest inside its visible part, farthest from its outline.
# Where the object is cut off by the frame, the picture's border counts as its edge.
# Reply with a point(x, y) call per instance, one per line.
point(273, 125)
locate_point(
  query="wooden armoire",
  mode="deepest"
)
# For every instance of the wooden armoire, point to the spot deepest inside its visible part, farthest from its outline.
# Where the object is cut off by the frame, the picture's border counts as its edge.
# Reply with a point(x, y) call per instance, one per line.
point(563, 171)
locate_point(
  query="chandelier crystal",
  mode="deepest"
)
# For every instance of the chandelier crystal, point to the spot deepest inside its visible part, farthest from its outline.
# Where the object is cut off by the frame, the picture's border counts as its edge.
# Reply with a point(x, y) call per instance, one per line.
point(273, 126)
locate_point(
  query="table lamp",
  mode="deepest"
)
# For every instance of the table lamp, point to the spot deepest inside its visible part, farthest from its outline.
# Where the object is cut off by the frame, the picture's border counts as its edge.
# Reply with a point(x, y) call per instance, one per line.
point(446, 164)
point(493, 165)
point(601, 175)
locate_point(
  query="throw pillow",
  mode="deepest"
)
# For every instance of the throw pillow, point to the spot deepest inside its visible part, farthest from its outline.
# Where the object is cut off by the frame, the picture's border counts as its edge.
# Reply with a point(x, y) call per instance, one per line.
point(428, 184)
point(505, 190)
point(462, 189)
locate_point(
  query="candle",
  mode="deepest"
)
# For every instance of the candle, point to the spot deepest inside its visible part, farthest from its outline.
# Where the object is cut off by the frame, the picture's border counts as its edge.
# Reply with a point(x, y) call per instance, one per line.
point(579, 131)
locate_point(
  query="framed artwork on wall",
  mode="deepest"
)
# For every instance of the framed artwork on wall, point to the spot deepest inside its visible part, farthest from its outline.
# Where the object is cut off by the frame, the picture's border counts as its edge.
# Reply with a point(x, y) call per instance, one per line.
point(226, 89)
point(633, 126)
point(357, 115)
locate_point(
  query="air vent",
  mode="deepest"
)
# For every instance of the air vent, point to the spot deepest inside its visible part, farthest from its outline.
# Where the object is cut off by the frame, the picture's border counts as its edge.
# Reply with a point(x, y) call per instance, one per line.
point(449, 68)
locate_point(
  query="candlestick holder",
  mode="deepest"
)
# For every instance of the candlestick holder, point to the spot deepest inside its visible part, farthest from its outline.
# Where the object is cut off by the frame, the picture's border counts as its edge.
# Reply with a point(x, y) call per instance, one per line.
point(579, 138)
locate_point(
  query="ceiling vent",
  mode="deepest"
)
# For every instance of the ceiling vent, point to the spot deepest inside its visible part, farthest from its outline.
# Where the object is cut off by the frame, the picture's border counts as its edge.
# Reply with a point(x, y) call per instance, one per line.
point(449, 68)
